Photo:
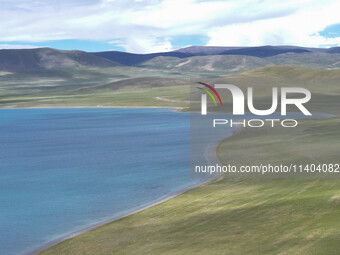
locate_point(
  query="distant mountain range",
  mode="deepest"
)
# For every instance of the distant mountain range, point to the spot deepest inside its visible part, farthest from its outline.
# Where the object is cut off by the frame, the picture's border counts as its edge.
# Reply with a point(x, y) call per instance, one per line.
point(261, 52)
point(19, 60)
point(194, 58)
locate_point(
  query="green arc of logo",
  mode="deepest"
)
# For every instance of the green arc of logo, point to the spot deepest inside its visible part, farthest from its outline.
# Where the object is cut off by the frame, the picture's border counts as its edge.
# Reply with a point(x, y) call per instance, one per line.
point(208, 92)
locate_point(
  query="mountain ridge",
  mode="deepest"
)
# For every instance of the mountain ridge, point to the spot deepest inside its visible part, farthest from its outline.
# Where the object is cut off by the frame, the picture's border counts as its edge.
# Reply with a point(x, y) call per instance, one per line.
point(48, 59)
point(206, 58)
point(132, 59)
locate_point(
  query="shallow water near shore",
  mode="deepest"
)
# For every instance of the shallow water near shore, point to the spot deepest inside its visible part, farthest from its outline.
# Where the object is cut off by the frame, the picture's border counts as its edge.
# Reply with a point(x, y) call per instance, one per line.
point(64, 170)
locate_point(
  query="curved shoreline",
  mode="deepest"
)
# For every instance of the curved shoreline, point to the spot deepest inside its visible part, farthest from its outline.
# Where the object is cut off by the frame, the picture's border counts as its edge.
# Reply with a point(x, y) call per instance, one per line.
point(91, 107)
point(216, 176)
point(212, 154)
point(77, 233)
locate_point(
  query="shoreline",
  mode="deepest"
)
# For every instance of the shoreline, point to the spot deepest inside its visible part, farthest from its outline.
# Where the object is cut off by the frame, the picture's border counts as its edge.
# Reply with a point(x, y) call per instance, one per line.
point(212, 154)
point(174, 108)
point(91, 107)
point(77, 233)
point(214, 177)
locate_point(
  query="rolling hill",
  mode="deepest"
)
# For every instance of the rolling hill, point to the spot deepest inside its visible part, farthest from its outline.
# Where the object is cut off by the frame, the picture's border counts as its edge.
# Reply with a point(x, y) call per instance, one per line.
point(217, 50)
point(311, 59)
point(190, 59)
point(140, 82)
point(213, 63)
point(206, 50)
point(48, 59)
point(318, 81)
point(130, 59)
point(30, 77)
point(236, 63)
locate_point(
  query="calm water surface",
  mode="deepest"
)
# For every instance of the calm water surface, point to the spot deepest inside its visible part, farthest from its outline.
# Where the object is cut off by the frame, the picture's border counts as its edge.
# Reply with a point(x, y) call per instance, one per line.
point(62, 170)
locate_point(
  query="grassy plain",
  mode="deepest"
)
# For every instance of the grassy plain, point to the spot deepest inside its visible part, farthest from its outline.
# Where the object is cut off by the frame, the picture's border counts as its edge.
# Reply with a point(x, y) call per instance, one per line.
point(238, 216)
point(138, 97)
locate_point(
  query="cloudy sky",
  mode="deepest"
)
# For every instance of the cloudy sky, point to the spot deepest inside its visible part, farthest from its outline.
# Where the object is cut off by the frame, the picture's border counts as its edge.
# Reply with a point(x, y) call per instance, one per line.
point(144, 26)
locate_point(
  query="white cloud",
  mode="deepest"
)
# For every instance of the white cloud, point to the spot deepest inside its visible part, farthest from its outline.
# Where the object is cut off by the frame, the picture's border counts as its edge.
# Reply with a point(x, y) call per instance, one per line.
point(300, 28)
point(147, 26)
point(17, 46)
point(146, 45)
point(170, 14)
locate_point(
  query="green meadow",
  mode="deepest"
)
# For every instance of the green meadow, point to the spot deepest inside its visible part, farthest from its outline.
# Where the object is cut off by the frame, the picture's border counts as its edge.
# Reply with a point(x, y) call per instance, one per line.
point(238, 216)
point(137, 97)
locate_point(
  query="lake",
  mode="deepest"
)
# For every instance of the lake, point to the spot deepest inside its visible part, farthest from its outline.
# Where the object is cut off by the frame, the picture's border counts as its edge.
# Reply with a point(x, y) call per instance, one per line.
point(64, 170)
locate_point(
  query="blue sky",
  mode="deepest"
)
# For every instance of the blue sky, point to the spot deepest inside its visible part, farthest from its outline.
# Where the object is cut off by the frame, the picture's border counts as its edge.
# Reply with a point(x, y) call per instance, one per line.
point(144, 26)
point(332, 31)
point(107, 45)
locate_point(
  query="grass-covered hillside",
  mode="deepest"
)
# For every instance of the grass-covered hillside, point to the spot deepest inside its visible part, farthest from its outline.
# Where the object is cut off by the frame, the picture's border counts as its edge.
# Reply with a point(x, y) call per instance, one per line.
point(124, 86)
point(48, 78)
point(235, 216)
point(324, 85)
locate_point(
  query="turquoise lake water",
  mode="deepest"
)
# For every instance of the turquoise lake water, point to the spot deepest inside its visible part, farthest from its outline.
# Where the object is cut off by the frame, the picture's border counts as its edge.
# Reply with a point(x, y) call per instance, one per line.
point(63, 170)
